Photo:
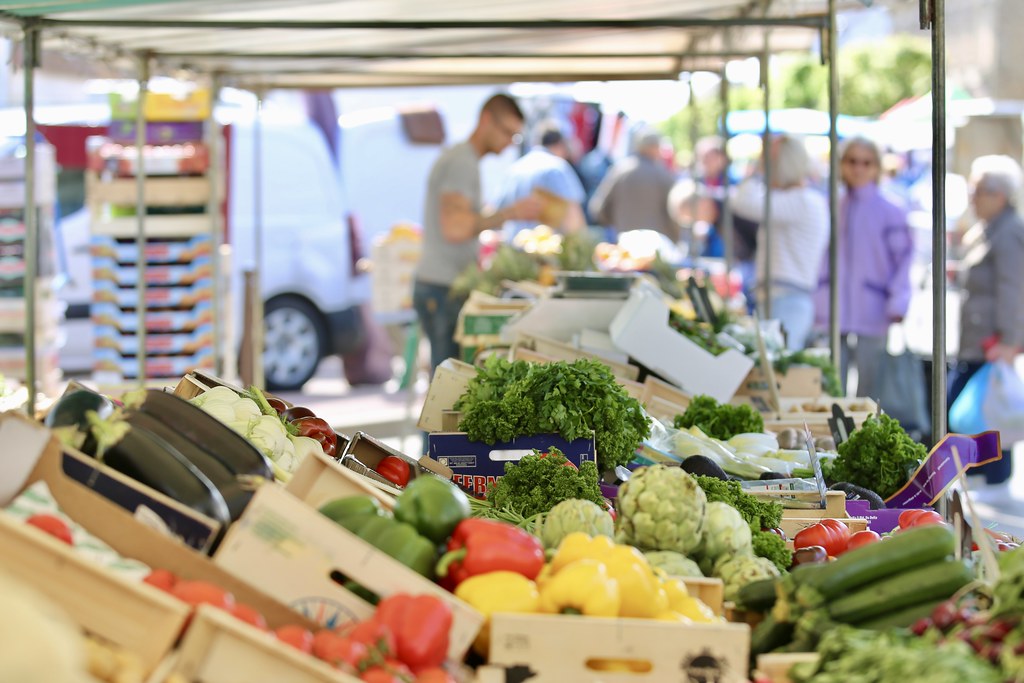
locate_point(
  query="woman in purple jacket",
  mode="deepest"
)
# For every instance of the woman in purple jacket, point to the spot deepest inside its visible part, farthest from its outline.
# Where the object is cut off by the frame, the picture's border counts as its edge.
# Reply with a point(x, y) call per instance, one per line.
point(873, 267)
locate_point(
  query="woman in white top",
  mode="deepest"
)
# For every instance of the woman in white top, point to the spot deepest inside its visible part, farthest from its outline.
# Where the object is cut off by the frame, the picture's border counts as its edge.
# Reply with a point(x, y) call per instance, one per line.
point(799, 235)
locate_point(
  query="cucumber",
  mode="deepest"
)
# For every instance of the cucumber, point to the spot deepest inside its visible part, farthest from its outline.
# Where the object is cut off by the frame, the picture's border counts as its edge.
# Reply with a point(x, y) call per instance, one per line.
point(903, 618)
point(199, 427)
point(758, 596)
point(912, 587)
point(769, 635)
point(908, 549)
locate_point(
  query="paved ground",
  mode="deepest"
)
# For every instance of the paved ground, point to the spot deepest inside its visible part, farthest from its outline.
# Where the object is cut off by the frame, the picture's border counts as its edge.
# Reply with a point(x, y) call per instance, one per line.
point(390, 414)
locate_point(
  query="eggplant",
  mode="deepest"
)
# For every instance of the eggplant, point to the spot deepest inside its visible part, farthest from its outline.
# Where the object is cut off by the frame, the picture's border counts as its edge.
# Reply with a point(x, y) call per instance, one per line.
point(150, 460)
point(236, 491)
point(232, 449)
point(70, 409)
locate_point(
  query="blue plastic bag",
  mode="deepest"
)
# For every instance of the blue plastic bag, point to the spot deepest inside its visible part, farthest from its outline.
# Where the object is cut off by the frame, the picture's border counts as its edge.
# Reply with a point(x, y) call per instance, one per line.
point(1003, 409)
point(966, 415)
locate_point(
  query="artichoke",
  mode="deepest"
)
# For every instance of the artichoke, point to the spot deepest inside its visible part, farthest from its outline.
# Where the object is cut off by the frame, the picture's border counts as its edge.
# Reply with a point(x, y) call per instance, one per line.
point(575, 515)
point(740, 570)
point(661, 508)
point(673, 564)
point(725, 533)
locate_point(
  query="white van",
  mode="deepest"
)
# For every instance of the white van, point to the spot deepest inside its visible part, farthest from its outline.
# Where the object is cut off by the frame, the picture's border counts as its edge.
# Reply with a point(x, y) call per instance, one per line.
point(310, 286)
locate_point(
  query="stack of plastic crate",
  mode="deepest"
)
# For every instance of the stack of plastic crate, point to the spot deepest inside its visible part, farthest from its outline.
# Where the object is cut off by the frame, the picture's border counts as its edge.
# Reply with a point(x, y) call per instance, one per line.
point(13, 301)
point(178, 251)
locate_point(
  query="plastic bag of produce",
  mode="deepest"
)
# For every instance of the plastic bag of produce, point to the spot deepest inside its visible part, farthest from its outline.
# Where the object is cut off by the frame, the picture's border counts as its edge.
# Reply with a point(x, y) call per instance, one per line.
point(1003, 408)
point(965, 414)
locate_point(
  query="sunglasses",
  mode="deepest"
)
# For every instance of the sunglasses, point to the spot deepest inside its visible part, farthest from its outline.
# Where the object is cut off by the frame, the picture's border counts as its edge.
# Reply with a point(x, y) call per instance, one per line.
point(855, 161)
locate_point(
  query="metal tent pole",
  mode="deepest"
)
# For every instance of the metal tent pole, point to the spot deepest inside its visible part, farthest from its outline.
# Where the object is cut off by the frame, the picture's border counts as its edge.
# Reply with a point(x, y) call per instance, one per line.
point(29, 61)
point(767, 169)
point(725, 218)
point(257, 330)
point(216, 226)
point(935, 17)
point(694, 171)
point(833, 185)
point(140, 214)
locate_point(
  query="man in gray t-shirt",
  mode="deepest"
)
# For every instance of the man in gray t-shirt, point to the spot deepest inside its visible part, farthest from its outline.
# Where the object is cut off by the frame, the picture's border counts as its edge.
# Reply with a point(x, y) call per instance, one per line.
point(453, 220)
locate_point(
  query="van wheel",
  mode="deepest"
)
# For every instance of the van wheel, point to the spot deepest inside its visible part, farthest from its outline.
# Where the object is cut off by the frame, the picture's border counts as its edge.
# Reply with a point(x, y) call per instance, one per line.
point(295, 339)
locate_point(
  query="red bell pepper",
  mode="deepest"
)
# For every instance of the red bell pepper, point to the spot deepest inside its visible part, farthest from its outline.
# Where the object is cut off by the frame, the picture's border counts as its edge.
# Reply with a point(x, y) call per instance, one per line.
point(317, 428)
point(421, 624)
point(479, 546)
point(395, 470)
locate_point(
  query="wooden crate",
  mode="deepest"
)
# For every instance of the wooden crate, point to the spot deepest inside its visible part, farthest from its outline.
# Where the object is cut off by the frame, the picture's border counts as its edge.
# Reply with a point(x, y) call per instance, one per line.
point(799, 380)
point(567, 352)
point(221, 649)
point(835, 503)
point(775, 666)
point(296, 554)
point(708, 590)
point(102, 603)
point(159, 191)
point(181, 225)
point(320, 479)
point(816, 412)
point(524, 644)
point(633, 388)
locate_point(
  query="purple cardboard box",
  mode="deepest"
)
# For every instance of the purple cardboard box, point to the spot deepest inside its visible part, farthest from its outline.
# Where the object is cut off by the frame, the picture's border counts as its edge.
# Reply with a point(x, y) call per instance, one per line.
point(476, 465)
point(882, 521)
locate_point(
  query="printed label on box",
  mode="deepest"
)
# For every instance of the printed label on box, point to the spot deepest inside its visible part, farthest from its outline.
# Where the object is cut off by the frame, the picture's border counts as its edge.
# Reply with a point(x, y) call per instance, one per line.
point(476, 465)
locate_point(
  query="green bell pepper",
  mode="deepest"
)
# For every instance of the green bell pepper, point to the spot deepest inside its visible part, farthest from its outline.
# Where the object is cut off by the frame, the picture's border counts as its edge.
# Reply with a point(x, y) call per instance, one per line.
point(433, 506)
point(400, 541)
point(353, 512)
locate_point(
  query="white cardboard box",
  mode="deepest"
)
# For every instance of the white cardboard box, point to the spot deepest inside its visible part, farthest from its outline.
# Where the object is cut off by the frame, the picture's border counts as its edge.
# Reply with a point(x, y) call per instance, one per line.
point(560, 319)
point(450, 380)
point(641, 329)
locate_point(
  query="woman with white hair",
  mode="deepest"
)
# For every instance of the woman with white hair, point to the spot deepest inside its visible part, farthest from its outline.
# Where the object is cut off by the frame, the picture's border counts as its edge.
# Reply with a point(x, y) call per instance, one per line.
point(799, 234)
point(991, 275)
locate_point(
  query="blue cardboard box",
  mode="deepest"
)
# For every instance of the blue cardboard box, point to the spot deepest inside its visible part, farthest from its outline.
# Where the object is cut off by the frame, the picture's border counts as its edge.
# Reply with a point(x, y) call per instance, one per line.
point(476, 465)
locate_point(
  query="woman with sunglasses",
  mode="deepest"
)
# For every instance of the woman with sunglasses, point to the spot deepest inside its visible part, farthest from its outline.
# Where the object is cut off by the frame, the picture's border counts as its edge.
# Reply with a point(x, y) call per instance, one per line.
point(873, 266)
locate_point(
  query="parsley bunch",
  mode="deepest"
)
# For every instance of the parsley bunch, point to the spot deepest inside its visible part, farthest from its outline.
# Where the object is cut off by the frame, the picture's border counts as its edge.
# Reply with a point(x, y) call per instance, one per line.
point(759, 514)
point(511, 399)
point(879, 456)
point(720, 421)
point(540, 481)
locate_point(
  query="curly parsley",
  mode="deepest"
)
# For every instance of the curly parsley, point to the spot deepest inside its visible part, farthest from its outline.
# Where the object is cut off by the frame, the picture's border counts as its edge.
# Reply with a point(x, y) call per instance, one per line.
point(540, 481)
point(719, 420)
point(510, 399)
point(879, 456)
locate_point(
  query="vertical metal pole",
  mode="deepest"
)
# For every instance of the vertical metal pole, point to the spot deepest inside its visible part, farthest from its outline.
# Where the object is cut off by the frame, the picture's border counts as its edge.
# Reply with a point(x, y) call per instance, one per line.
point(833, 184)
point(31, 51)
point(257, 323)
point(216, 226)
point(938, 26)
point(694, 171)
point(140, 214)
point(766, 224)
point(725, 219)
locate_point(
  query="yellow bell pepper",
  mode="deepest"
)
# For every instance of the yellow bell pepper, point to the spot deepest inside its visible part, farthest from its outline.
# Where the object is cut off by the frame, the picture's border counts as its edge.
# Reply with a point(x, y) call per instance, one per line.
point(642, 594)
point(674, 617)
point(497, 592)
point(677, 593)
point(580, 546)
point(544, 576)
point(695, 609)
point(582, 587)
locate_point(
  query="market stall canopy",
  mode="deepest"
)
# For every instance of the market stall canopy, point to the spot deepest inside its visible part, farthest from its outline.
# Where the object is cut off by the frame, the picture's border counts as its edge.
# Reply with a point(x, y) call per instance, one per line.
point(339, 43)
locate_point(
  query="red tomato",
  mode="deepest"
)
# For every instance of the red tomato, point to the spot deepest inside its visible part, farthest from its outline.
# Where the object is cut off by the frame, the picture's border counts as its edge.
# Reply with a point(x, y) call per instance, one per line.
point(372, 633)
point(52, 525)
point(162, 579)
point(203, 593)
point(840, 535)
point(927, 518)
point(816, 534)
point(392, 671)
point(297, 636)
point(866, 537)
point(907, 517)
point(434, 675)
point(395, 470)
point(250, 615)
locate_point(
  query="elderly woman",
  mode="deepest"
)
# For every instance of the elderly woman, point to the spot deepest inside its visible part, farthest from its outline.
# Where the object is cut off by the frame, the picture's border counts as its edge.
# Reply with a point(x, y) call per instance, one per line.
point(873, 273)
point(799, 235)
point(991, 275)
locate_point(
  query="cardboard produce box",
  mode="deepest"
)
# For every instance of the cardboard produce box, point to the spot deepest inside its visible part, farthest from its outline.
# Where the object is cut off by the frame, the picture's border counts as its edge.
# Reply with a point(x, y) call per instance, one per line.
point(476, 465)
point(641, 329)
point(320, 479)
point(363, 453)
point(797, 381)
point(450, 380)
point(302, 557)
point(557, 649)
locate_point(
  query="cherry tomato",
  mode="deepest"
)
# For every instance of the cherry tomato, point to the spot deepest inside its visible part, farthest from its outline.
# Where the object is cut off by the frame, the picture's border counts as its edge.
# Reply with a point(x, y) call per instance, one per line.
point(250, 615)
point(295, 412)
point(297, 636)
point(277, 404)
point(866, 537)
point(203, 593)
point(317, 428)
point(161, 578)
point(927, 518)
point(52, 525)
point(908, 516)
point(394, 469)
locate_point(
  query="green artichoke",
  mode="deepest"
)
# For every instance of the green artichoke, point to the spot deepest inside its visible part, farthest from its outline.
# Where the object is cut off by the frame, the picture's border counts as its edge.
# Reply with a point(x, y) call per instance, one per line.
point(740, 570)
point(725, 533)
point(661, 508)
point(575, 515)
point(673, 564)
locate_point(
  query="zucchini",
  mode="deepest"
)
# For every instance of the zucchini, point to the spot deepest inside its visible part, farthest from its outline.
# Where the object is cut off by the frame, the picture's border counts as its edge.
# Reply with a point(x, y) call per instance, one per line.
point(769, 635)
point(199, 427)
point(150, 460)
point(908, 549)
point(912, 587)
point(904, 618)
point(236, 491)
point(758, 596)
